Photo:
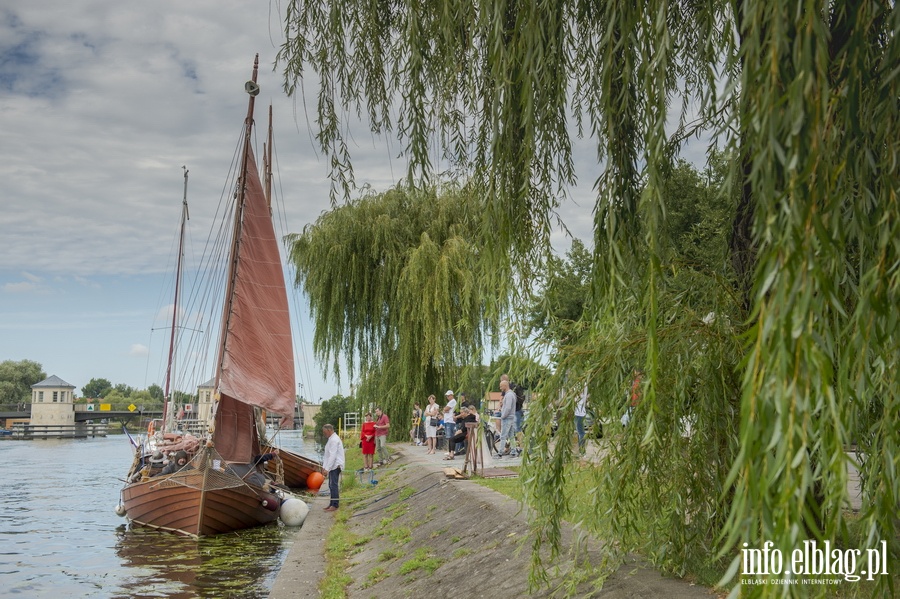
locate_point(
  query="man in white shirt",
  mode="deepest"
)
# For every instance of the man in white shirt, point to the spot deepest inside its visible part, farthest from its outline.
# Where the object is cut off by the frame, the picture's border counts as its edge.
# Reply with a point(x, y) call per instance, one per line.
point(507, 420)
point(332, 464)
point(449, 420)
point(580, 413)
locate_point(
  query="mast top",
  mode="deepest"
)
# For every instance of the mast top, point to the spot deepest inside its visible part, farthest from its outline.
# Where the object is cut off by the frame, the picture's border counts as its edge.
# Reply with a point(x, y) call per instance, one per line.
point(251, 87)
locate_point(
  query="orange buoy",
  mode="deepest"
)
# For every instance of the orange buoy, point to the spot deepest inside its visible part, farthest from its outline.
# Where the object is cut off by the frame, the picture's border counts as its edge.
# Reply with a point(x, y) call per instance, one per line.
point(314, 481)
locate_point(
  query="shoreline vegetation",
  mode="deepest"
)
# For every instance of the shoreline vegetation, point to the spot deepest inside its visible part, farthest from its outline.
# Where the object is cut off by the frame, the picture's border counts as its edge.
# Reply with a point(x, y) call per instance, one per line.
point(416, 529)
point(414, 524)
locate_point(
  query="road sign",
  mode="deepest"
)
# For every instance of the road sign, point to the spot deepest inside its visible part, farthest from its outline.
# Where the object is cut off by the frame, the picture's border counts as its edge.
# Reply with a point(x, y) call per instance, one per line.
point(105, 407)
point(132, 408)
point(90, 407)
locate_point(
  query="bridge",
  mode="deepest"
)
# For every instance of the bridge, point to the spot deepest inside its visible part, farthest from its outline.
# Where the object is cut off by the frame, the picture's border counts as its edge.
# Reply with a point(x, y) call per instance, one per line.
point(20, 411)
point(122, 416)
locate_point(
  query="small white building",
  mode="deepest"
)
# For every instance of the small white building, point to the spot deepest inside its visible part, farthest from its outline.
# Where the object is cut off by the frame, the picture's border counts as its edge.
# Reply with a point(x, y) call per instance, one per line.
point(52, 402)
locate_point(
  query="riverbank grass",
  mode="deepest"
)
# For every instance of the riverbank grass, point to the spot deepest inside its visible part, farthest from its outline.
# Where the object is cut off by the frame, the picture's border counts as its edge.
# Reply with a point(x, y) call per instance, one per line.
point(581, 508)
point(341, 543)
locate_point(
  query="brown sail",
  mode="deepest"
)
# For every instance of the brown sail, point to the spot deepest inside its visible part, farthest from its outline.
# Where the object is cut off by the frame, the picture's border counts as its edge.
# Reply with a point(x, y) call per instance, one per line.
point(257, 366)
point(222, 489)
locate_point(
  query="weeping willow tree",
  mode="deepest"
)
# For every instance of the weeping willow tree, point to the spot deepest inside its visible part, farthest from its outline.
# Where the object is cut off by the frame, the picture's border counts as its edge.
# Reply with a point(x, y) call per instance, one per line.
point(658, 485)
point(395, 288)
point(799, 357)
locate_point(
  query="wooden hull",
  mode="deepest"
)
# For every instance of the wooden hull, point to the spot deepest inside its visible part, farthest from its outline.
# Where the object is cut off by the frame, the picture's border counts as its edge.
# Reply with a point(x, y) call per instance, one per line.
point(197, 502)
point(295, 467)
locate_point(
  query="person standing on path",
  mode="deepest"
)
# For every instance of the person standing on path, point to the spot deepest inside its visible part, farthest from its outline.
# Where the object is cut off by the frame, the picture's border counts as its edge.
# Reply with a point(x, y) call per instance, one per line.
point(382, 426)
point(580, 413)
point(507, 419)
point(449, 418)
point(432, 414)
point(332, 464)
point(415, 434)
point(638, 375)
point(634, 395)
point(520, 402)
point(367, 442)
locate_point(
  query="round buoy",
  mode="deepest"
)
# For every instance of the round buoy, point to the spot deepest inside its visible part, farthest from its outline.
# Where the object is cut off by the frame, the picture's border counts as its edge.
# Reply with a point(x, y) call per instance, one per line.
point(120, 510)
point(314, 481)
point(293, 511)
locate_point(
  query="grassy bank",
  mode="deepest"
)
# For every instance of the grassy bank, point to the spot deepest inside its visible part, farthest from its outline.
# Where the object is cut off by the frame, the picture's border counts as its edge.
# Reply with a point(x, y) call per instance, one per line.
point(578, 483)
point(381, 551)
point(340, 541)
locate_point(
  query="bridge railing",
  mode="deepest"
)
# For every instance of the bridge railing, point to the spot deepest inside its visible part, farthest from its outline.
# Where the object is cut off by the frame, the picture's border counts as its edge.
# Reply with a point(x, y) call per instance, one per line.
point(58, 431)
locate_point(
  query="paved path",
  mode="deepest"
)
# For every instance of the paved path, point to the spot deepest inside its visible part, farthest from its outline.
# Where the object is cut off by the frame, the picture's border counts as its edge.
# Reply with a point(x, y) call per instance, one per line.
point(304, 566)
point(419, 455)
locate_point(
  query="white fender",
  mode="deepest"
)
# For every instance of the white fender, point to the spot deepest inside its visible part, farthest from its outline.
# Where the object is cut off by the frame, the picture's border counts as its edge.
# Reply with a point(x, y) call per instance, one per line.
point(293, 511)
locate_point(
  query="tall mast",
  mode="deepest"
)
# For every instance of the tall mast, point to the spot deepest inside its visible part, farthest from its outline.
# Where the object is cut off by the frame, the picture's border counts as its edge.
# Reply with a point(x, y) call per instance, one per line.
point(253, 89)
point(267, 163)
point(185, 216)
point(267, 174)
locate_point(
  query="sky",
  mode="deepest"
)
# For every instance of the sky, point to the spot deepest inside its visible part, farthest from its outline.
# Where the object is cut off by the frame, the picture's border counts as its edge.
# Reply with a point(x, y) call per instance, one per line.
point(101, 105)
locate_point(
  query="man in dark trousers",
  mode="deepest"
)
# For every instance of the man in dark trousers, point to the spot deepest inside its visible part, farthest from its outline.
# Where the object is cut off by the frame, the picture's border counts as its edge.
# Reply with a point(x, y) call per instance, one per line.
point(332, 464)
point(382, 426)
point(520, 402)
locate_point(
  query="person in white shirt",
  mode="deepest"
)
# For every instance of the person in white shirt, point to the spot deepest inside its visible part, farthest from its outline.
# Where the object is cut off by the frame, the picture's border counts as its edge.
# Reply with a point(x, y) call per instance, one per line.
point(332, 464)
point(580, 413)
point(449, 418)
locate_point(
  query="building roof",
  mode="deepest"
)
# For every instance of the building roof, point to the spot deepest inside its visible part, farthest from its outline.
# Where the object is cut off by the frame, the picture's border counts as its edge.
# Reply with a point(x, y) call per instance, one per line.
point(208, 384)
point(53, 381)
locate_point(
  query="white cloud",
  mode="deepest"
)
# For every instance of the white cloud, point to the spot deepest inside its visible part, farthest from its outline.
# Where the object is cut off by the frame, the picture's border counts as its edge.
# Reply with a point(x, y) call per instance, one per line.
point(97, 125)
point(86, 282)
point(165, 313)
point(139, 349)
point(21, 287)
point(103, 103)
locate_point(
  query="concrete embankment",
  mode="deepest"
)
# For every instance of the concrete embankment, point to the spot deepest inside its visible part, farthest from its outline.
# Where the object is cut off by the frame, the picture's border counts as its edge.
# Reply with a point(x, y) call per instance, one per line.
point(422, 534)
point(304, 566)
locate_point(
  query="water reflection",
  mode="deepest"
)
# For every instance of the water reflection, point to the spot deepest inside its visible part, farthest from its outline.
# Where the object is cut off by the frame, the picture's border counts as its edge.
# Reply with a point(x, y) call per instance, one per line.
point(242, 564)
point(59, 535)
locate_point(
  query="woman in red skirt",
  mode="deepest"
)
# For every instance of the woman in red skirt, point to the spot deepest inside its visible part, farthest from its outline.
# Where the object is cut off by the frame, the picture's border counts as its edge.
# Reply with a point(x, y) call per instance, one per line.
point(367, 442)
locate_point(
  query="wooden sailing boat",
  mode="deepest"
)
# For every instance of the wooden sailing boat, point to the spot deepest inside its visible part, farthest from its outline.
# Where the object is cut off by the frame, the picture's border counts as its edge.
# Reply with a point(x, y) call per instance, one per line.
point(221, 490)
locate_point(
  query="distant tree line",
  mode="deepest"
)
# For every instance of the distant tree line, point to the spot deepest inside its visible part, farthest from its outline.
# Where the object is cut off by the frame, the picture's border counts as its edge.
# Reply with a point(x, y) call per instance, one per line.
point(16, 379)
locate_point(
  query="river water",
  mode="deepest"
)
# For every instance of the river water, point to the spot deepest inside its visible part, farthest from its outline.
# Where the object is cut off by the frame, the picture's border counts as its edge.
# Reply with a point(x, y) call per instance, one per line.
point(60, 536)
